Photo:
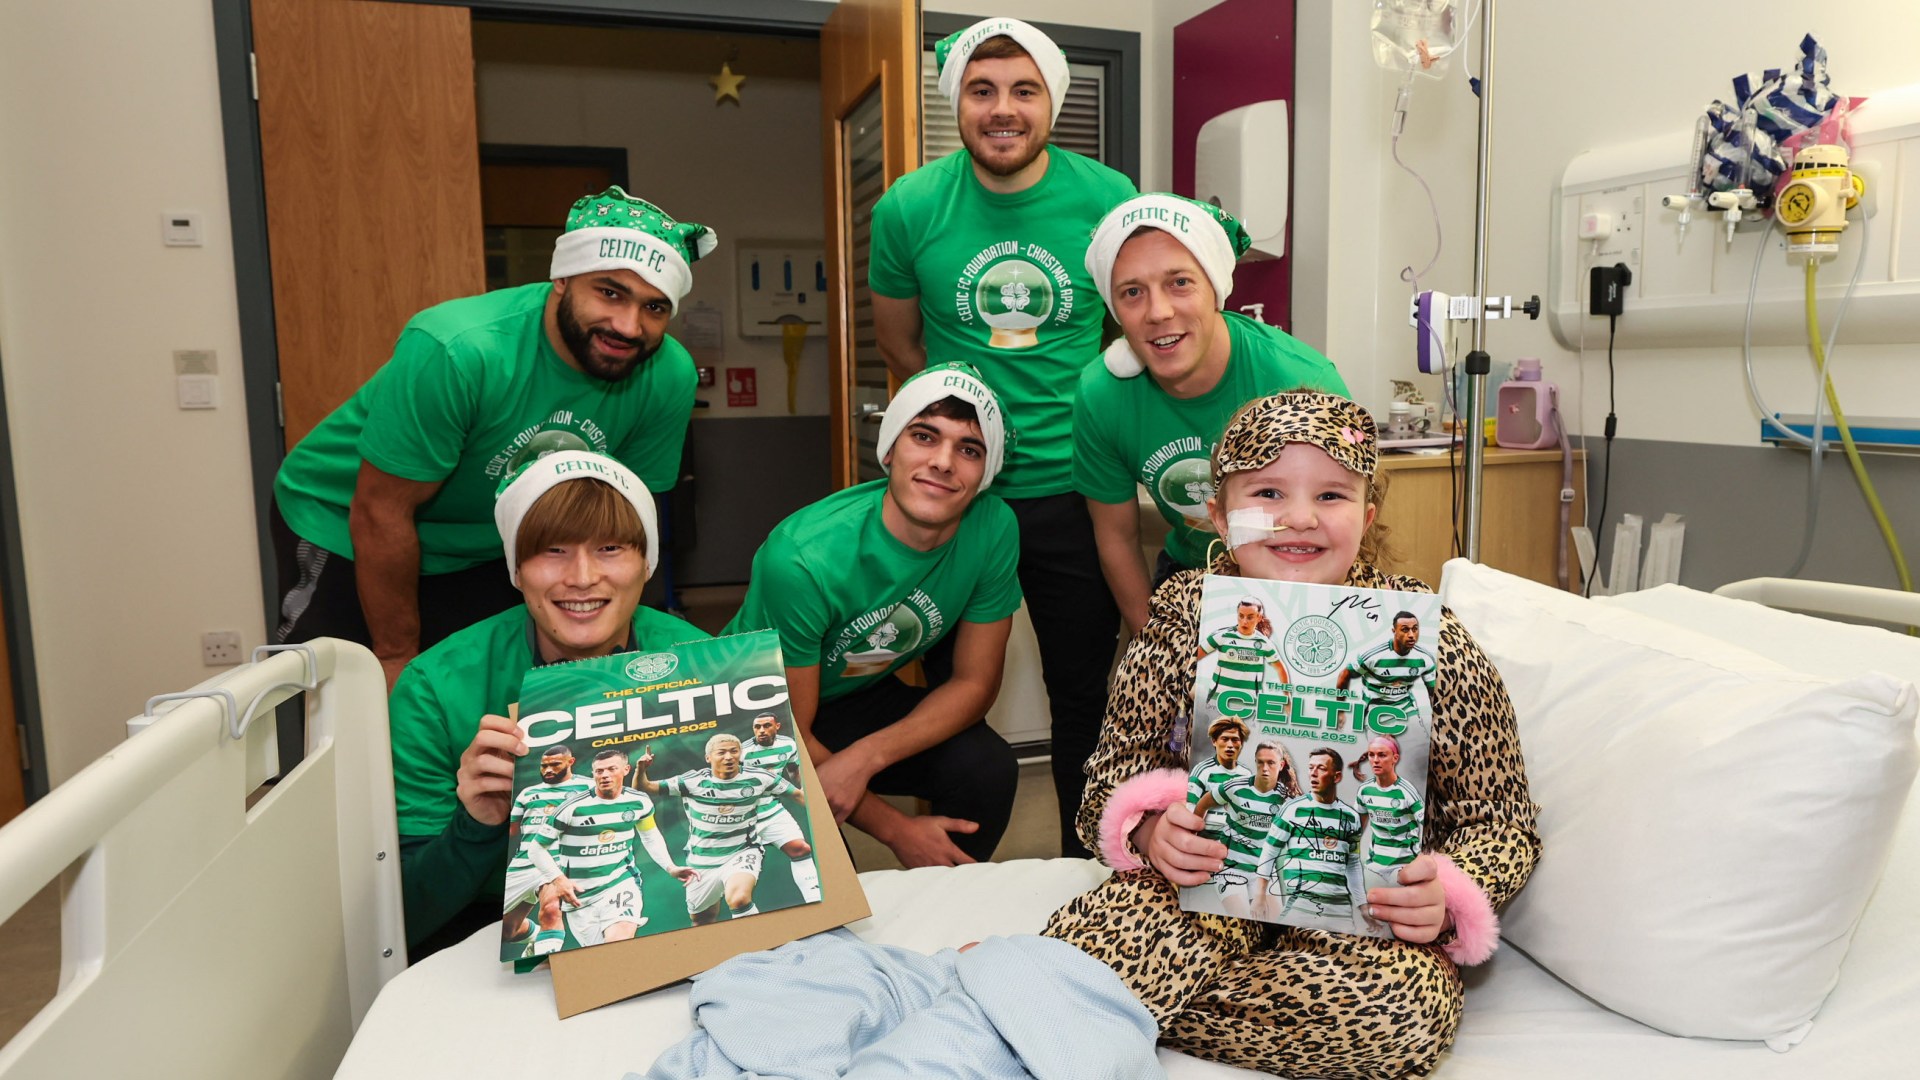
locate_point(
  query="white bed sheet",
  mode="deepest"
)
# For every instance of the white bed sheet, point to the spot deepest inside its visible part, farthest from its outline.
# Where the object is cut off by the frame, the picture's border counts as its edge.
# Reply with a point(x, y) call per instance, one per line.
point(461, 1015)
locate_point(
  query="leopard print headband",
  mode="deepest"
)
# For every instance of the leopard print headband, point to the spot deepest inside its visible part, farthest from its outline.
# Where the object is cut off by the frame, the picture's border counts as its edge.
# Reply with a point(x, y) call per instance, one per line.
point(1257, 434)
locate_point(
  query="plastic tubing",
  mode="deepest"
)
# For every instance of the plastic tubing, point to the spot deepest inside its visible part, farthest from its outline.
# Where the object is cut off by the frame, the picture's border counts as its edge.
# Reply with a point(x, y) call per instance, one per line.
point(1846, 436)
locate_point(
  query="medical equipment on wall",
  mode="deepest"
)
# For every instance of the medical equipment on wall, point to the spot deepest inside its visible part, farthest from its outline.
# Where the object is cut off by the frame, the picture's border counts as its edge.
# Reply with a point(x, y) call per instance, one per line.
point(1811, 206)
point(1797, 139)
point(1416, 36)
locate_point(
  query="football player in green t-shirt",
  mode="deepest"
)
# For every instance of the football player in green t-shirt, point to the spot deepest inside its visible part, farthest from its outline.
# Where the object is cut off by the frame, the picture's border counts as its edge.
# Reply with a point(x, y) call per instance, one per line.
point(1250, 803)
point(1392, 812)
point(725, 803)
point(868, 580)
point(1388, 671)
point(979, 257)
point(1245, 648)
point(1228, 735)
point(778, 754)
point(526, 885)
point(1164, 266)
point(384, 533)
point(1314, 849)
point(580, 533)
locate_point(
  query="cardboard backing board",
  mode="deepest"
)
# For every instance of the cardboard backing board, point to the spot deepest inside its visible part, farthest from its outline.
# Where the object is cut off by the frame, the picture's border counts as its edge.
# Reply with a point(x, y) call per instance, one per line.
point(586, 979)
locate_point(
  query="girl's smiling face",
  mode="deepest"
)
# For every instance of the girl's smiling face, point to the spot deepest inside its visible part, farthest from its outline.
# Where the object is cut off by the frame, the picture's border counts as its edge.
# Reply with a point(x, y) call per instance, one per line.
point(1323, 507)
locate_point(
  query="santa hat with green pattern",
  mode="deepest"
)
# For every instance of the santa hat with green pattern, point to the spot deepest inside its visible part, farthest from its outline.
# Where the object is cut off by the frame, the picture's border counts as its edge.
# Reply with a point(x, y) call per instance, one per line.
point(1214, 236)
point(617, 231)
point(951, 53)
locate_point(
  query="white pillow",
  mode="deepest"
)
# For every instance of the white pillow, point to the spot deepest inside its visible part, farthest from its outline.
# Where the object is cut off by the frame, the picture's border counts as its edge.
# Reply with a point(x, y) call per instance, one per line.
point(1713, 822)
point(1800, 642)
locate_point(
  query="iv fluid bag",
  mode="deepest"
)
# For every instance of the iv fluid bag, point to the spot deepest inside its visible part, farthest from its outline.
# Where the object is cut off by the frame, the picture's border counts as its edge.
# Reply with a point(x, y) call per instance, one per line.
point(1403, 29)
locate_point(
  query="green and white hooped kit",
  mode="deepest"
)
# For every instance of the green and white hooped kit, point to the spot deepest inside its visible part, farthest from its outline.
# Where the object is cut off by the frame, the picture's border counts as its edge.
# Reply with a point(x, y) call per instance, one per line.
point(951, 53)
point(949, 380)
point(617, 231)
point(524, 488)
point(1214, 236)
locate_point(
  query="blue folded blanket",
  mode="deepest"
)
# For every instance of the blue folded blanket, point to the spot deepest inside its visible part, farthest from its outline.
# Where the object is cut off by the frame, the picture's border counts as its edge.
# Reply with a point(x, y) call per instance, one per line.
point(833, 1006)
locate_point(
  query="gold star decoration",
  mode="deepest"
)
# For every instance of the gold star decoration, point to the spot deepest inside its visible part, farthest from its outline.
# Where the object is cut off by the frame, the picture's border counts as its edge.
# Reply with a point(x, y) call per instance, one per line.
point(726, 85)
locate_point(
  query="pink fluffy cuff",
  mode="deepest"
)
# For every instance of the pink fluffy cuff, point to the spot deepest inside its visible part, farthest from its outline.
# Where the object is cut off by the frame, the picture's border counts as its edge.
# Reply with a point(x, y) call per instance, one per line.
point(1133, 799)
point(1476, 929)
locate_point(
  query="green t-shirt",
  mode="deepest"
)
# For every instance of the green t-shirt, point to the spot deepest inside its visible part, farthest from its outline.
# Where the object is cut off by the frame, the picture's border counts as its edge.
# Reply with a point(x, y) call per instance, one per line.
point(437, 705)
point(1130, 431)
point(1003, 285)
point(473, 389)
point(844, 594)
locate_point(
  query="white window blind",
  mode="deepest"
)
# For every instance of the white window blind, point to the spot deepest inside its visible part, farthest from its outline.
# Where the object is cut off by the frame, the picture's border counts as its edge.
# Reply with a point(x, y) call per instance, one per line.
point(1079, 128)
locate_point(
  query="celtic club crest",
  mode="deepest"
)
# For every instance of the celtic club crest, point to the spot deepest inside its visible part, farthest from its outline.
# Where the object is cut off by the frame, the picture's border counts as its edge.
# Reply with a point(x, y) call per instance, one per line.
point(652, 667)
point(1315, 646)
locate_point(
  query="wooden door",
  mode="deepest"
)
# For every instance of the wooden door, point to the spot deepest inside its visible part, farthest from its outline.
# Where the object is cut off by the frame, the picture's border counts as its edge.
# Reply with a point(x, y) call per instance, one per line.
point(870, 123)
point(369, 148)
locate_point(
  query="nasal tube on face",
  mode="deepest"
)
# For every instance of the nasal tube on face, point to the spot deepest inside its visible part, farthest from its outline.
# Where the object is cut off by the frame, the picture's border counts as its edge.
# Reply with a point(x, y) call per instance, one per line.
point(1250, 525)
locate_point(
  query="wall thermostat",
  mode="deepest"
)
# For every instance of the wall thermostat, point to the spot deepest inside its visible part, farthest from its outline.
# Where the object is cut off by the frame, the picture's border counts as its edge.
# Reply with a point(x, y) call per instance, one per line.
point(180, 228)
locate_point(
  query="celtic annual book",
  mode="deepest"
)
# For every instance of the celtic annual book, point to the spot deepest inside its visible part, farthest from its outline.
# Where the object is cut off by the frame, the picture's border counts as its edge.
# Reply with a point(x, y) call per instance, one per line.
point(1308, 740)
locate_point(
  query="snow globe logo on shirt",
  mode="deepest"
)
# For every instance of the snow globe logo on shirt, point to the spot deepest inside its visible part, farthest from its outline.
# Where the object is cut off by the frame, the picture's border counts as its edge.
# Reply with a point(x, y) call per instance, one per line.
point(563, 430)
point(1014, 292)
point(1185, 485)
point(896, 635)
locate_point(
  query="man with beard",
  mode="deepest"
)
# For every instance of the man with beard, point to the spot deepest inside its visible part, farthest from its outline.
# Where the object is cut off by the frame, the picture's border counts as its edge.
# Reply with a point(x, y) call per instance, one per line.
point(385, 527)
point(980, 257)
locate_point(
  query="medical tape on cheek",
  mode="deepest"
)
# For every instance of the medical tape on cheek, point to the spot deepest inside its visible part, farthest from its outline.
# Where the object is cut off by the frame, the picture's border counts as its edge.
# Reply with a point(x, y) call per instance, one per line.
point(1250, 525)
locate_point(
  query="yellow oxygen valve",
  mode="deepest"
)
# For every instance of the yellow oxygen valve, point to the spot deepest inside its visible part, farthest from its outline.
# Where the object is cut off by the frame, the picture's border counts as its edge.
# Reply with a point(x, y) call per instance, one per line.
point(1813, 207)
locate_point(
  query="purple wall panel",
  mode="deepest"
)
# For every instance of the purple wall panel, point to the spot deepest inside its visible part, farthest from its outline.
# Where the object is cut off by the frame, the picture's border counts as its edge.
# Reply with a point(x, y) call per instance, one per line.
point(1235, 54)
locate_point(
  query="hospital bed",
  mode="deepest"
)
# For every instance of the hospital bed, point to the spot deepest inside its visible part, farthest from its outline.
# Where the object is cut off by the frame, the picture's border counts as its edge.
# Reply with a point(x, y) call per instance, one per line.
point(269, 979)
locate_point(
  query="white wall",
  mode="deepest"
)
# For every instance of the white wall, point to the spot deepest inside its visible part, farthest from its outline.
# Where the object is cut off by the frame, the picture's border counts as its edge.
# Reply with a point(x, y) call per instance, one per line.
point(1568, 78)
point(136, 518)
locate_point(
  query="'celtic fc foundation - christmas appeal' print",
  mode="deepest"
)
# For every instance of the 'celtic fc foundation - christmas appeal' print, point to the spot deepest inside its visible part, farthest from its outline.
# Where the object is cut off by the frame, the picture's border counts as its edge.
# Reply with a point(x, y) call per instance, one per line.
point(1312, 719)
point(659, 790)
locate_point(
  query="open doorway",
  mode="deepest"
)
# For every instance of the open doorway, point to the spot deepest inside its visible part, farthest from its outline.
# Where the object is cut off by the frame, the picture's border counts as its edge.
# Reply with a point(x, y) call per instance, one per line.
point(644, 101)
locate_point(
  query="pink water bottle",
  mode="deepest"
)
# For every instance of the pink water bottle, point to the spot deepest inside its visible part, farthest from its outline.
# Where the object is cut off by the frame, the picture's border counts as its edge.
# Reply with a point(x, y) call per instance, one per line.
point(1523, 409)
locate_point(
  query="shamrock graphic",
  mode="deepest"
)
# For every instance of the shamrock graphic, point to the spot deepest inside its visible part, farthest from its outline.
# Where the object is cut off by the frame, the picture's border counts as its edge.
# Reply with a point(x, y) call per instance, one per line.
point(1315, 646)
point(1199, 491)
point(883, 637)
point(1015, 295)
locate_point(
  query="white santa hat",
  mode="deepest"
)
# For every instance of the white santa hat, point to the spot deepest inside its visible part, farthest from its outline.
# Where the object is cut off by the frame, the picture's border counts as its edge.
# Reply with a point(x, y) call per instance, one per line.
point(525, 486)
point(951, 53)
point(949, 380)
point(1214, 236)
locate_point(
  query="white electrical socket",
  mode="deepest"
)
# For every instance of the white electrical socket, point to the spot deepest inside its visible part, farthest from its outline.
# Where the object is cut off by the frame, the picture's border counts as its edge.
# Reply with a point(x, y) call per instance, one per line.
point(220, 648)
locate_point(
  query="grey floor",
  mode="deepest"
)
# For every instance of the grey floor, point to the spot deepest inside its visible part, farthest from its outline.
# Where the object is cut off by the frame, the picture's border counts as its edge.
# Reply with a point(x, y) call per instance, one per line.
point(30, 941)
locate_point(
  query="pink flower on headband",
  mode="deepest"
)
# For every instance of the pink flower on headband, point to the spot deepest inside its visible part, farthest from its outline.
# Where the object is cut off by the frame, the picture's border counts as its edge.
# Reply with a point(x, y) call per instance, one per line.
point(1353, 435)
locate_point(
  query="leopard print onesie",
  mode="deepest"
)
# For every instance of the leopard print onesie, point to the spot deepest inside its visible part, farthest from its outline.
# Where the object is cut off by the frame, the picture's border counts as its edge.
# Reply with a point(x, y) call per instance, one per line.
point(1286, 1000)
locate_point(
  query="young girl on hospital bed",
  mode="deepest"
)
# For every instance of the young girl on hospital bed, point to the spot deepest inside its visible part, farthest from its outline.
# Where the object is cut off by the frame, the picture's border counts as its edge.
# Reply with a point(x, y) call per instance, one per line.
point(1283, 999)
point(1279, 999)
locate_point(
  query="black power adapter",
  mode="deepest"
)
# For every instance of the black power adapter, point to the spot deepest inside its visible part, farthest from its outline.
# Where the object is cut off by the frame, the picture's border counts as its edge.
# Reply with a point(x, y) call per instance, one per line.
point(1607, 289)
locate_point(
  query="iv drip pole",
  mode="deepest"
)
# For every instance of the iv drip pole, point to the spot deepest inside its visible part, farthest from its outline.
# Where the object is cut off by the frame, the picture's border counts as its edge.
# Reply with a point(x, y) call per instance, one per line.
point(1478, 363)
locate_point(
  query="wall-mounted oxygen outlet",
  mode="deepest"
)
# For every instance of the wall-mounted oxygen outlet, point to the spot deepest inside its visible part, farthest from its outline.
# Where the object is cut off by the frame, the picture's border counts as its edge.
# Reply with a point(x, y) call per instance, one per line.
point(220, 648)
